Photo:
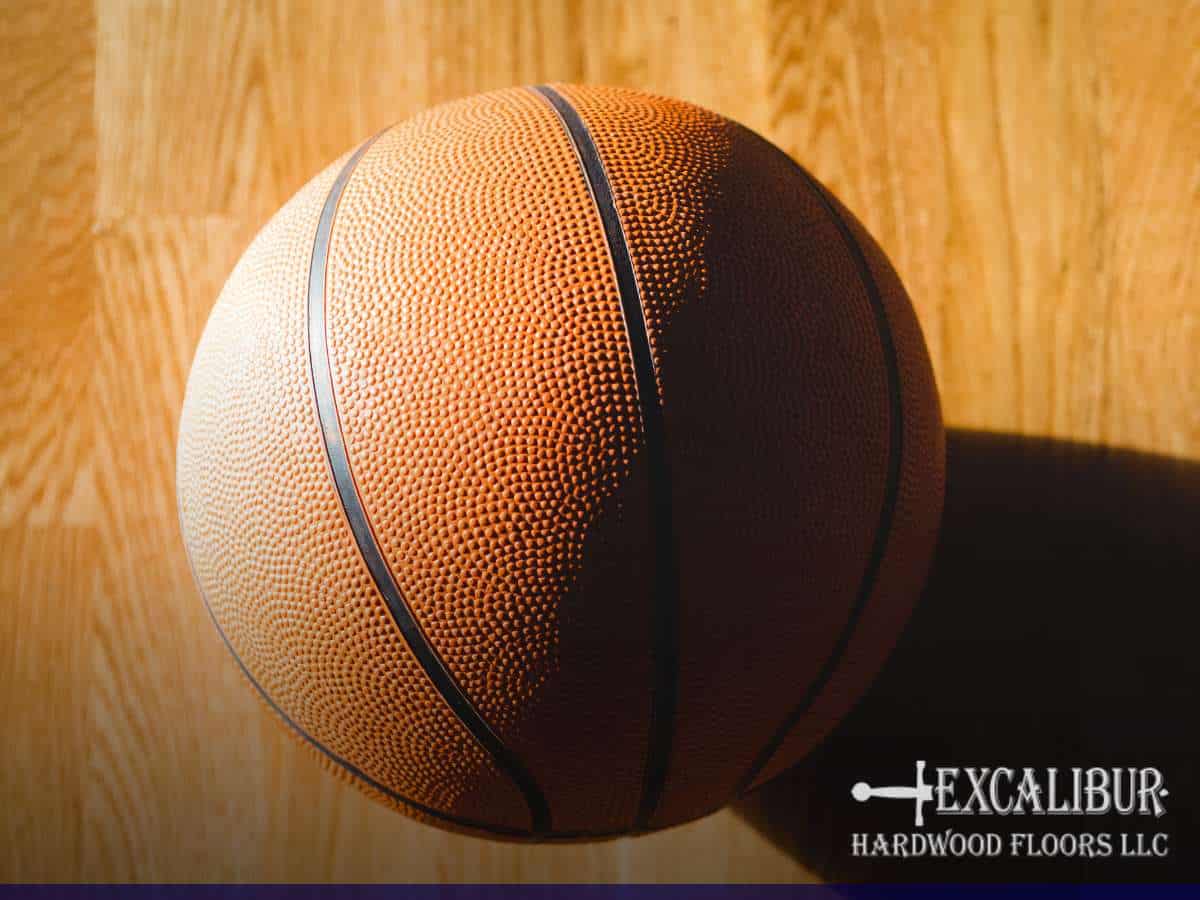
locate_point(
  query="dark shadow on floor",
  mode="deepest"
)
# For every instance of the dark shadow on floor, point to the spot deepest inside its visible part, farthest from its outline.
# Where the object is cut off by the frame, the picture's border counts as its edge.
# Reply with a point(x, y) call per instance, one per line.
point(1060, 626)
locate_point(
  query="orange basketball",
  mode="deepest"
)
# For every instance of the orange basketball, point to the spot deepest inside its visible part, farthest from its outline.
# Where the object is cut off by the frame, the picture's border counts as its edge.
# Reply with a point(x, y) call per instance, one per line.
point(561, 463)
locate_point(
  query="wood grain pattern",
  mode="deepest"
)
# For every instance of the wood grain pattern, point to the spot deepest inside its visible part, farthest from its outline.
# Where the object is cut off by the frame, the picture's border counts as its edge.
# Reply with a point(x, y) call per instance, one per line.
point(1031, 168)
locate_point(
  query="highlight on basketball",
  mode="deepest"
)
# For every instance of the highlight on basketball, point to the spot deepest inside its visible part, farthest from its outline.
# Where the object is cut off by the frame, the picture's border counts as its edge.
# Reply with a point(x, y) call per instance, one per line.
point(516, 445)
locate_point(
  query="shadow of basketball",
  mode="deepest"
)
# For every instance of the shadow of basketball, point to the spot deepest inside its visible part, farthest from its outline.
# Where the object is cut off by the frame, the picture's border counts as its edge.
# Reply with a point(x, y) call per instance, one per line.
point(1059, 627)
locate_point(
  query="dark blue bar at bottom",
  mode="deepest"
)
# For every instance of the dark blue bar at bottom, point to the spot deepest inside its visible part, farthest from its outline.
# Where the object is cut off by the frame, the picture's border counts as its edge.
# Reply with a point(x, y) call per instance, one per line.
point(606, 892)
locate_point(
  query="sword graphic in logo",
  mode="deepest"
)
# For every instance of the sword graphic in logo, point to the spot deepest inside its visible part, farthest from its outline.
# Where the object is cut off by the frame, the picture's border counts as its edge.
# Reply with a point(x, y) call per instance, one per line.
point(921, 792)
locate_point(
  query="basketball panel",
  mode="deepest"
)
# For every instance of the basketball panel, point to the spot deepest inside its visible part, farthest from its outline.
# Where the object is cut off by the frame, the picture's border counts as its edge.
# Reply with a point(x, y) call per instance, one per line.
point(485, 395)
point(275, 559)
point(777, 459)
point(918, 508)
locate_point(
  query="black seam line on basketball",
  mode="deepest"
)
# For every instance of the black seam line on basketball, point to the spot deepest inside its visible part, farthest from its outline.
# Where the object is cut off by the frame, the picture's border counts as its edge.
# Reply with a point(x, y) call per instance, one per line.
point(891, 484)
point(666, 599)
point(364, 536)
point(308, 738)
point(351, 769)
point(354, 771)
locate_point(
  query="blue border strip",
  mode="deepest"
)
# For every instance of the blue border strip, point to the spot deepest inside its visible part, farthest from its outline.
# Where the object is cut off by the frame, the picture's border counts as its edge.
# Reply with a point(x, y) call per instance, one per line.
point(613, 892)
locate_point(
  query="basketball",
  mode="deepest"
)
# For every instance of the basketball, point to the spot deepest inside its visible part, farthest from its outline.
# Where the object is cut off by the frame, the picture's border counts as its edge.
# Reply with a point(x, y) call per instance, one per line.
point(561, 463)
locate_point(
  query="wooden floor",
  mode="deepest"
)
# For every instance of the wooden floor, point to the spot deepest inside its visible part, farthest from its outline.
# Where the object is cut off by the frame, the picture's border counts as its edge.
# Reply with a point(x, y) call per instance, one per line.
point(1032, 168)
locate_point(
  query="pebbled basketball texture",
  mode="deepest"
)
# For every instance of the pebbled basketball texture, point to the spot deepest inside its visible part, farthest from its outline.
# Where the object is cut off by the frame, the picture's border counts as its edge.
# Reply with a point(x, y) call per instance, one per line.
point(634, 417)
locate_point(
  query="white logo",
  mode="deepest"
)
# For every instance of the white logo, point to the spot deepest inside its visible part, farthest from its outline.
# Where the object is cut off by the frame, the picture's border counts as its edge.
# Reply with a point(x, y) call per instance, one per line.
point(1005, 791)
point(920, 792)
